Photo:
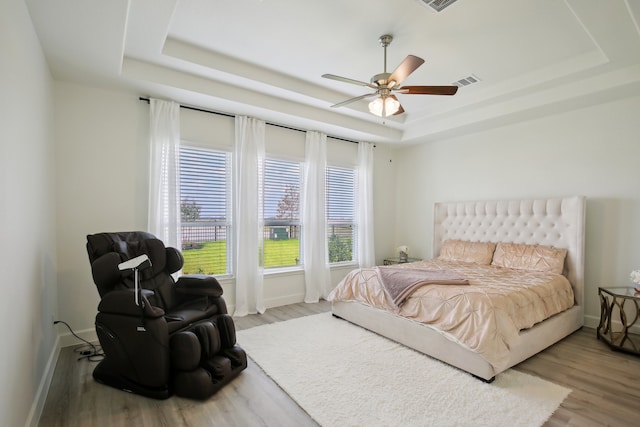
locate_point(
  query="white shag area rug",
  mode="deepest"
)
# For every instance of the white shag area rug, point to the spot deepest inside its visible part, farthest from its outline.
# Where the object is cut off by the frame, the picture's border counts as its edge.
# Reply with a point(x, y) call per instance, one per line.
point(344, 375)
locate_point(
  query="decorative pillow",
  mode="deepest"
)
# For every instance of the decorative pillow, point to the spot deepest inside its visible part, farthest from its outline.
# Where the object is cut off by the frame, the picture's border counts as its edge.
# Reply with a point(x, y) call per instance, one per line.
point(459, 250)
point(529, 257)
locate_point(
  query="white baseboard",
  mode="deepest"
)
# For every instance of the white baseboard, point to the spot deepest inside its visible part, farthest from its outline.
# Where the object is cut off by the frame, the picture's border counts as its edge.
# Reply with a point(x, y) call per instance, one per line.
point(274, 302)
point(43, 388)
point(62, 340)
point(591, 321)
point(67, 339)
point(594, 321)
point(284, 300)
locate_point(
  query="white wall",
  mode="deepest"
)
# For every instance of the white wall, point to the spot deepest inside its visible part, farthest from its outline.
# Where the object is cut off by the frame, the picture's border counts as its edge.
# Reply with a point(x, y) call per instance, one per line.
point(101, 185)
point(28, 352)
point(385, 187)
point(592, 152)
point(102, 163)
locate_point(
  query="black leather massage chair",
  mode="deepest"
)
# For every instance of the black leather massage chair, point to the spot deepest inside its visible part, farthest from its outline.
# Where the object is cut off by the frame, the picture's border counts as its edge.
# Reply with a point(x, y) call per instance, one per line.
point(168, 337)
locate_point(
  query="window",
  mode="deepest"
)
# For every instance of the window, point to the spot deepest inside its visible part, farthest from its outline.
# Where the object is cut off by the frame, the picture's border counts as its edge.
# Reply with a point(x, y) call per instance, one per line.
point(281, 210)
point(206, 201)
point(341, 222)
point(205, 191)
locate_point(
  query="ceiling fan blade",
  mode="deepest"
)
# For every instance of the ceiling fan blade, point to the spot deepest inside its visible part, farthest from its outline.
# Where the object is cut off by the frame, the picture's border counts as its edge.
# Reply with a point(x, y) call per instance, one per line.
point(427, 90)
point(406, 67)
point(348, 80)
point(349, 101)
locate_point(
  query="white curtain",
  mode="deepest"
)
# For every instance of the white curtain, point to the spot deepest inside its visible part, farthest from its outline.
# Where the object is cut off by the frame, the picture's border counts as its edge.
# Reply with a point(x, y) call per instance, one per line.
point(164, 172)
point(314, 227)
point(366, 254)
point(248, 220)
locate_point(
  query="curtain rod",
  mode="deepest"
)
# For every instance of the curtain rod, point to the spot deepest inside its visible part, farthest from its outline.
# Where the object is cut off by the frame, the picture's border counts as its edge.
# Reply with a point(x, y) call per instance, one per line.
point(187, 107)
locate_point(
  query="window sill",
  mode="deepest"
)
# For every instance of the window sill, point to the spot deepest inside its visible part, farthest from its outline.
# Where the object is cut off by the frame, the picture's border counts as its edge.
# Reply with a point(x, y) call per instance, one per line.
point(348, 264)
point(290, 271)
point(283, 271)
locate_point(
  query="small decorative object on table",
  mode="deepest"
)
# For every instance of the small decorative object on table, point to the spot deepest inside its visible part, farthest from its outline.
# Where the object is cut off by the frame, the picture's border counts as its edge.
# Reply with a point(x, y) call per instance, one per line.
point(635, 279)
point(403, 253)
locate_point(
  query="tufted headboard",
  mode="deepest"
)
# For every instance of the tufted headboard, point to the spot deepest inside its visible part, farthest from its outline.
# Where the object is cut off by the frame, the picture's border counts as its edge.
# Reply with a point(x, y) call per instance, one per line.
point(556, 222)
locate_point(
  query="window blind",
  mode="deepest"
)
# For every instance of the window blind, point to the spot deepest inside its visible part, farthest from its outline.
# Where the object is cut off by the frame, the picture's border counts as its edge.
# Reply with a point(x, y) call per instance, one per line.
point(341, 227)
point(205, 185)
point(281, 210)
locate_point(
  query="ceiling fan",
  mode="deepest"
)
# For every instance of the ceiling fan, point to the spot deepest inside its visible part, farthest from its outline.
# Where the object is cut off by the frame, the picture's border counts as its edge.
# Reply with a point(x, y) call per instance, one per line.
point(386, 84)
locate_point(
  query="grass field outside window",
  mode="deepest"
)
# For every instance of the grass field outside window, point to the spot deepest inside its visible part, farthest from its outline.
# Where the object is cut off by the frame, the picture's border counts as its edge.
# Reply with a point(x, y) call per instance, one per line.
point(211, 258)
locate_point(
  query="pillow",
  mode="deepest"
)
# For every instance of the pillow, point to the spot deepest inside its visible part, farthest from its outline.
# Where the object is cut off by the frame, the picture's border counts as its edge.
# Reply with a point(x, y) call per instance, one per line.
point(459, 250)
point(529, 257)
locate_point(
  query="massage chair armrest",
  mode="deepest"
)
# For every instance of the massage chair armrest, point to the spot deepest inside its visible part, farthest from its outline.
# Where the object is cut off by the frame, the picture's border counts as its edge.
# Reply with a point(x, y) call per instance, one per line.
point(123, 302)
point(198, 284)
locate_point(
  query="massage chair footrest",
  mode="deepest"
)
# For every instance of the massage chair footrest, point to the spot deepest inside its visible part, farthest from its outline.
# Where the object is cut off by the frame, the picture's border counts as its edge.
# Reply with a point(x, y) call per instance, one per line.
point(201, 364)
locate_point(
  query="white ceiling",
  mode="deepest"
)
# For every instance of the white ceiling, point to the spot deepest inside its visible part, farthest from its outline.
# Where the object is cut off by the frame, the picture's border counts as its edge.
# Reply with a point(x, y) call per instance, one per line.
point(265, 58)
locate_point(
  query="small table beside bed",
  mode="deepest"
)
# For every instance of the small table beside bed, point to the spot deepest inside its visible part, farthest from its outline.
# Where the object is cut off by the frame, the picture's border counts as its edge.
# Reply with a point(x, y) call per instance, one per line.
point(507, 283)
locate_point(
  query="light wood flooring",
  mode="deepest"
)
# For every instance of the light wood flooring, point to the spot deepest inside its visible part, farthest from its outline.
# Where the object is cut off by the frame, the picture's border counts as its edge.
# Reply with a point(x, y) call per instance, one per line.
point(605, 384)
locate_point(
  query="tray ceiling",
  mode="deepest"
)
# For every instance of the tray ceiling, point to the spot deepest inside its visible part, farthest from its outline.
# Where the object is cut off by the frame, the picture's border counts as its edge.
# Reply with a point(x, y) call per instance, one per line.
point(264, 58)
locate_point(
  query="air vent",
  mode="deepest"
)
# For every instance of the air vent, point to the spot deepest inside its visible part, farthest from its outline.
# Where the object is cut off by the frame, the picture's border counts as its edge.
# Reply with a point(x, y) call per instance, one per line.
point(466, 81)
point(437, 5)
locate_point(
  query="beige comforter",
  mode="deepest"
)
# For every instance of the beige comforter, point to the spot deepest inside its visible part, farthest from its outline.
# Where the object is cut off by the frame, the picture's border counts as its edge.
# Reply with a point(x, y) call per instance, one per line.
point(484, 316)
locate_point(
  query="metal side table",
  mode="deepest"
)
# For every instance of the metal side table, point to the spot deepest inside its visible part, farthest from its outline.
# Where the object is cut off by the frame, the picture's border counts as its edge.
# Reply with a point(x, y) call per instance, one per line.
point(624, 304)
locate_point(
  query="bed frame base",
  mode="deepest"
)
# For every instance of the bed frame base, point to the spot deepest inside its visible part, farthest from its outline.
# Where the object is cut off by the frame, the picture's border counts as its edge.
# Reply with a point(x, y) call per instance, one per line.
point(429, 341)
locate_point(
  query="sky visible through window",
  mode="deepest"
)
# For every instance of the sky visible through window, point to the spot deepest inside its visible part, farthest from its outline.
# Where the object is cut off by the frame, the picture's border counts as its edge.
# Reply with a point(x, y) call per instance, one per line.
point(203, 181)
point(204, 174)
point(278, 174)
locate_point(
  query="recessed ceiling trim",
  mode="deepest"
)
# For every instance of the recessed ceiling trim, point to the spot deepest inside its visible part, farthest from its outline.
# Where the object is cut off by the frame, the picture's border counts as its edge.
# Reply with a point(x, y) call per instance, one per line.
point(265, 106)
point(248, 75)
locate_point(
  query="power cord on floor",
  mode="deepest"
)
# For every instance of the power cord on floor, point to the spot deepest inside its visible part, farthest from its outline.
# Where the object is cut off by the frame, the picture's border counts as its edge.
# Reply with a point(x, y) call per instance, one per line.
point(90, 352)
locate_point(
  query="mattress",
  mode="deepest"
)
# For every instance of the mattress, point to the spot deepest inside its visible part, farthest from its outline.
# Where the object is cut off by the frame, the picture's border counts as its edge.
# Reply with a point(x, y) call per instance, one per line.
point(484, 316)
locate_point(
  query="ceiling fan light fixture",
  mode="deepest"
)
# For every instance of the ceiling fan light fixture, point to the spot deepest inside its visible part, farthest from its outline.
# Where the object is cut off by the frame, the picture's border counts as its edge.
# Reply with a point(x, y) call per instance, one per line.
point(384, 107)
point(386, 84)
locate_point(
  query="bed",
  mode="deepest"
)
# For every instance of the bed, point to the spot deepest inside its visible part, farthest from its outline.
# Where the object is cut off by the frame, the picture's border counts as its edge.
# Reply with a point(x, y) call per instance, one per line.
point(555, 224)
